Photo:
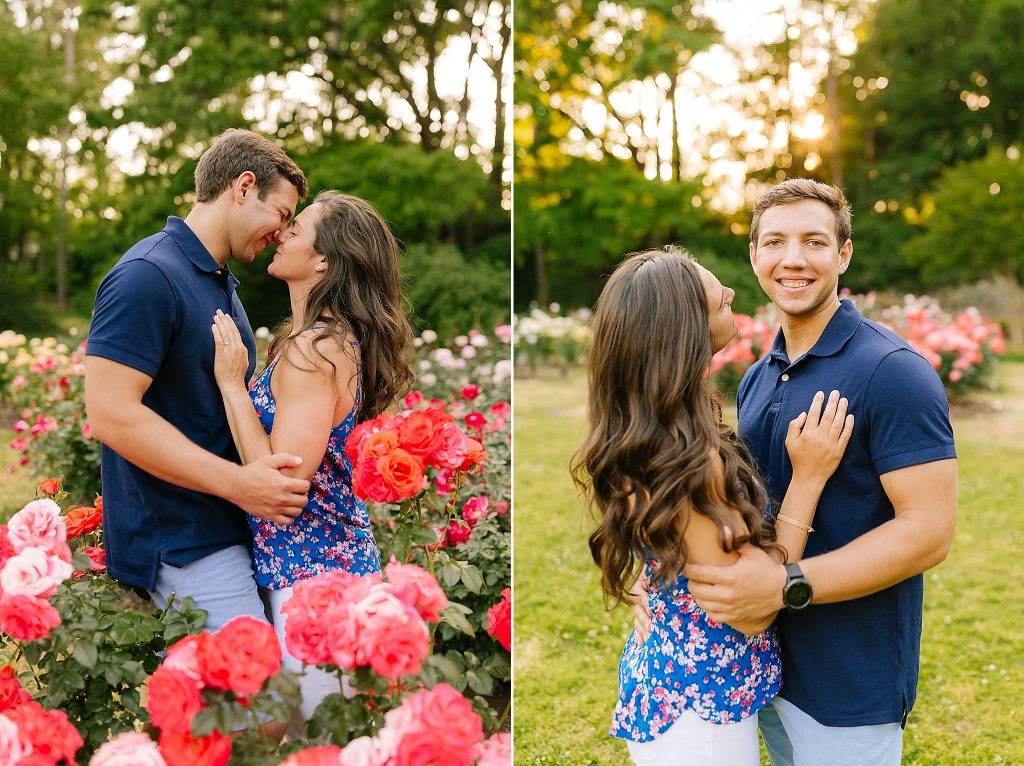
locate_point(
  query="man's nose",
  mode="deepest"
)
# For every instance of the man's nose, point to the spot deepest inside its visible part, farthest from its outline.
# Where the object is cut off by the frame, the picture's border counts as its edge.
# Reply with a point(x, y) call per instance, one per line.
point(793, 256)
point(279, 235)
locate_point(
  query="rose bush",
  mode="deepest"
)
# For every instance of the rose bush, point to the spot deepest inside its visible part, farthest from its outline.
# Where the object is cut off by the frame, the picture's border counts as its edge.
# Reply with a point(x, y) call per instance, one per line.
point(437, 476)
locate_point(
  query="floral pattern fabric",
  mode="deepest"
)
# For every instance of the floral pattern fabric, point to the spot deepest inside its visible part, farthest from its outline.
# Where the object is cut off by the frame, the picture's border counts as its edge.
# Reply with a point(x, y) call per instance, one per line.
point(332, 532)
point(691, 662)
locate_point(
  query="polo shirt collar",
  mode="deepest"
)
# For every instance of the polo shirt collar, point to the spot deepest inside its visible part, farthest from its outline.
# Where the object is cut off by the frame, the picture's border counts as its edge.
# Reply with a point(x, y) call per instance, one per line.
point(840, 328)
point(192, 247)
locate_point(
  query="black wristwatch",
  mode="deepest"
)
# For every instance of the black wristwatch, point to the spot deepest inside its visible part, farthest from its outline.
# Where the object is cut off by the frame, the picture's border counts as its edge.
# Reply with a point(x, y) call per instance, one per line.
point(797, 592)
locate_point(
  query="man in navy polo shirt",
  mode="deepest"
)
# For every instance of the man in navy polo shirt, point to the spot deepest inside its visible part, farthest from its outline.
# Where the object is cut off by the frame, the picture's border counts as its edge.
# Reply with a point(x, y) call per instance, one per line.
point(173, 489)
point(851, 609)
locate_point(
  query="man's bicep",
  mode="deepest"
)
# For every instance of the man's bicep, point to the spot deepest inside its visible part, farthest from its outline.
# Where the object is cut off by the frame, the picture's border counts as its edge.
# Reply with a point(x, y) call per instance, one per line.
point(112, 384)
point(926, 491)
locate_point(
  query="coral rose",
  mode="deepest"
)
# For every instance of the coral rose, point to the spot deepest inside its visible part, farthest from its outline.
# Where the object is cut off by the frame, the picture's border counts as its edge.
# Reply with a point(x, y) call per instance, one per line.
point(50, 734)
point(27, 618)
point(49, 486)
point(130, 748)
point(82, 520)
point(38, 524)
point(475, 455)
point(499, 620)
point(174, 699)
point(183, 655)
point(402, 472)
point(419, 433)
point(241, 656)
point(12, 693)
point(181, 749)
point(365, 751)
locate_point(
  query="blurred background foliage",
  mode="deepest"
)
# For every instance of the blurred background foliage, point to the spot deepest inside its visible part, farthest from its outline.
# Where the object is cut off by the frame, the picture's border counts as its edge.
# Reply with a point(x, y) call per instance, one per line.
point(106, 107)
point(644, 122)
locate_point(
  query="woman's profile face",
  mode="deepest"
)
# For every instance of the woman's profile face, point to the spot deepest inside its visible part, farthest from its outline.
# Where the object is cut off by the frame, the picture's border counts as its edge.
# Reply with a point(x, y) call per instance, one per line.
point(721, 323)
point(295, 260)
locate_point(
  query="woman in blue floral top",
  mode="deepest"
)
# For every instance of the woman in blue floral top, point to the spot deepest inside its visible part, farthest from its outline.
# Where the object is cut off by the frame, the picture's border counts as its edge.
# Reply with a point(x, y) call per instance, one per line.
point(341, 357)
point(672, 484)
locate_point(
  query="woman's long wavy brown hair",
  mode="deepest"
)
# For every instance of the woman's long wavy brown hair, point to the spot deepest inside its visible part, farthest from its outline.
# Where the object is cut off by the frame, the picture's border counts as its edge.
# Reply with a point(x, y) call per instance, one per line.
point(360, 293)
point(655, 424)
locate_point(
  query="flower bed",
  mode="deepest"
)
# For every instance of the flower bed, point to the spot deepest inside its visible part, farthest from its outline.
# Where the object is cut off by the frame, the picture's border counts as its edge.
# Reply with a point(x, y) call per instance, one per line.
point(425, 648)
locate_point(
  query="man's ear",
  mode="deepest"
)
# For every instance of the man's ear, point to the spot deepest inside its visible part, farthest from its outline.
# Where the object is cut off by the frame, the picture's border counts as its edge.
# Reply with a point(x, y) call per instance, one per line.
point(845, 255)
point(753, 250)
point(245, 183)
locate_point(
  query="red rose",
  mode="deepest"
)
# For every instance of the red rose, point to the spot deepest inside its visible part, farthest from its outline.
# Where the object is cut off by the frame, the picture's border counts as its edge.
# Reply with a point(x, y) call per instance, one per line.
point(48, 731)
point(12, 694)
point(180, 749)
point(49, 486)
point(475, 420)
point(457, 534)
point(499, 620)
point(174, 699)
point(419, 433)
point(469, 393)
point(475, 455)
point(27, 618)
point(402, 472)
point(241, 656)
point(412, 400)
point(81, 520)
point(475, 509)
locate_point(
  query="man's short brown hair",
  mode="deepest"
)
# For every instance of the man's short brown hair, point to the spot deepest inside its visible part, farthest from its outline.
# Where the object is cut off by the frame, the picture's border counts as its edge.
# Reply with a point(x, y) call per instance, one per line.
point(798, 189)
point(236, 151)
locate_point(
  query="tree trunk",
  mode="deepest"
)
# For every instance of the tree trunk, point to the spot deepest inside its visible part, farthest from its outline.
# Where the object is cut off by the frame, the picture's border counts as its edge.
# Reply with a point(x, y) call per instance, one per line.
point(541, 274)
point(64, 235)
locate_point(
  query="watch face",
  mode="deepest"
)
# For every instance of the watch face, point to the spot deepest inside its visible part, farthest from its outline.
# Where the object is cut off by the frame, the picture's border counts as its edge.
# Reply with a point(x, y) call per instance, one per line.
point(798, 594)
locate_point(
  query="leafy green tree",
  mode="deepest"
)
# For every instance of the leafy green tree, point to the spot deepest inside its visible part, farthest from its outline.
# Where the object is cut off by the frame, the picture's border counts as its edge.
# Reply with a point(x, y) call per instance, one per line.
point(973, 228)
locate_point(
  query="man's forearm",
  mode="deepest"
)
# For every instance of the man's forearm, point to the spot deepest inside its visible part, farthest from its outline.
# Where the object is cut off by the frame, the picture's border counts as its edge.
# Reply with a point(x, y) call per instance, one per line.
point(879, 559)
point(150, 442)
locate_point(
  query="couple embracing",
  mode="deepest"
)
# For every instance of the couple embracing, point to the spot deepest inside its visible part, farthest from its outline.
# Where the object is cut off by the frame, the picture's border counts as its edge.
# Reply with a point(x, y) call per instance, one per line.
point(777, 574)
point(214, 489)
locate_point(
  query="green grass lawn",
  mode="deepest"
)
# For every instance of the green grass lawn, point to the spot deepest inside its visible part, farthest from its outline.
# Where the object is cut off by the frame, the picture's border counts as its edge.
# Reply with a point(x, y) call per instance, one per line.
point(970, 707)
point(16, 488)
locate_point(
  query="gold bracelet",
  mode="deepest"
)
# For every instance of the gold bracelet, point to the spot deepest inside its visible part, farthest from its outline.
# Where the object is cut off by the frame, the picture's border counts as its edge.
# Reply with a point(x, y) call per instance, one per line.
point(805, 527)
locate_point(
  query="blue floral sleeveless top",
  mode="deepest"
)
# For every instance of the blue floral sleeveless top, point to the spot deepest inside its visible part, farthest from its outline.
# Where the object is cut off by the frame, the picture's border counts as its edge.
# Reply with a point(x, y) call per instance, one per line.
point(333, 531)
point(691, 662)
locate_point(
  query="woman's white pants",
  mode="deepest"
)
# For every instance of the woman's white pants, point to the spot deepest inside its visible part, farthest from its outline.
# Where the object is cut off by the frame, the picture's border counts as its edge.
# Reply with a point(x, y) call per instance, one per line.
point(692, 741)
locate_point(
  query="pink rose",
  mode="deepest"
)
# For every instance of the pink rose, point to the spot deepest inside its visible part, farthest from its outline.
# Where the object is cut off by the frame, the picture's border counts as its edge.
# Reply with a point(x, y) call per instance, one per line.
point(19, 444)
point(51, 736)
point(20, 427)
point(418, 588)
point(412, 400)
point(364, 751)
point(436, 727)
point(34, 573)
point(501, 410)
point(325, 755)
point(39, 524)
point(452, 449)
point(393, 638)
point(6, 549)
point(475, 509)
point(12, 747)
point(27, 618)
point(496, 751)
point(130, 748)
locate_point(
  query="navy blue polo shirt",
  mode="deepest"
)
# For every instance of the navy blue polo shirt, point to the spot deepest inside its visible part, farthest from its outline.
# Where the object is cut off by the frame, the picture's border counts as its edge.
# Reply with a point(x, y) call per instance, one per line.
point(851, 663)
point(153, 313)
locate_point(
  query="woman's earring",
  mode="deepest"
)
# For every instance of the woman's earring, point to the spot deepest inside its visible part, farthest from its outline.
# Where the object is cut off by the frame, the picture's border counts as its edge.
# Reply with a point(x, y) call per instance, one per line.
point(321, 266)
